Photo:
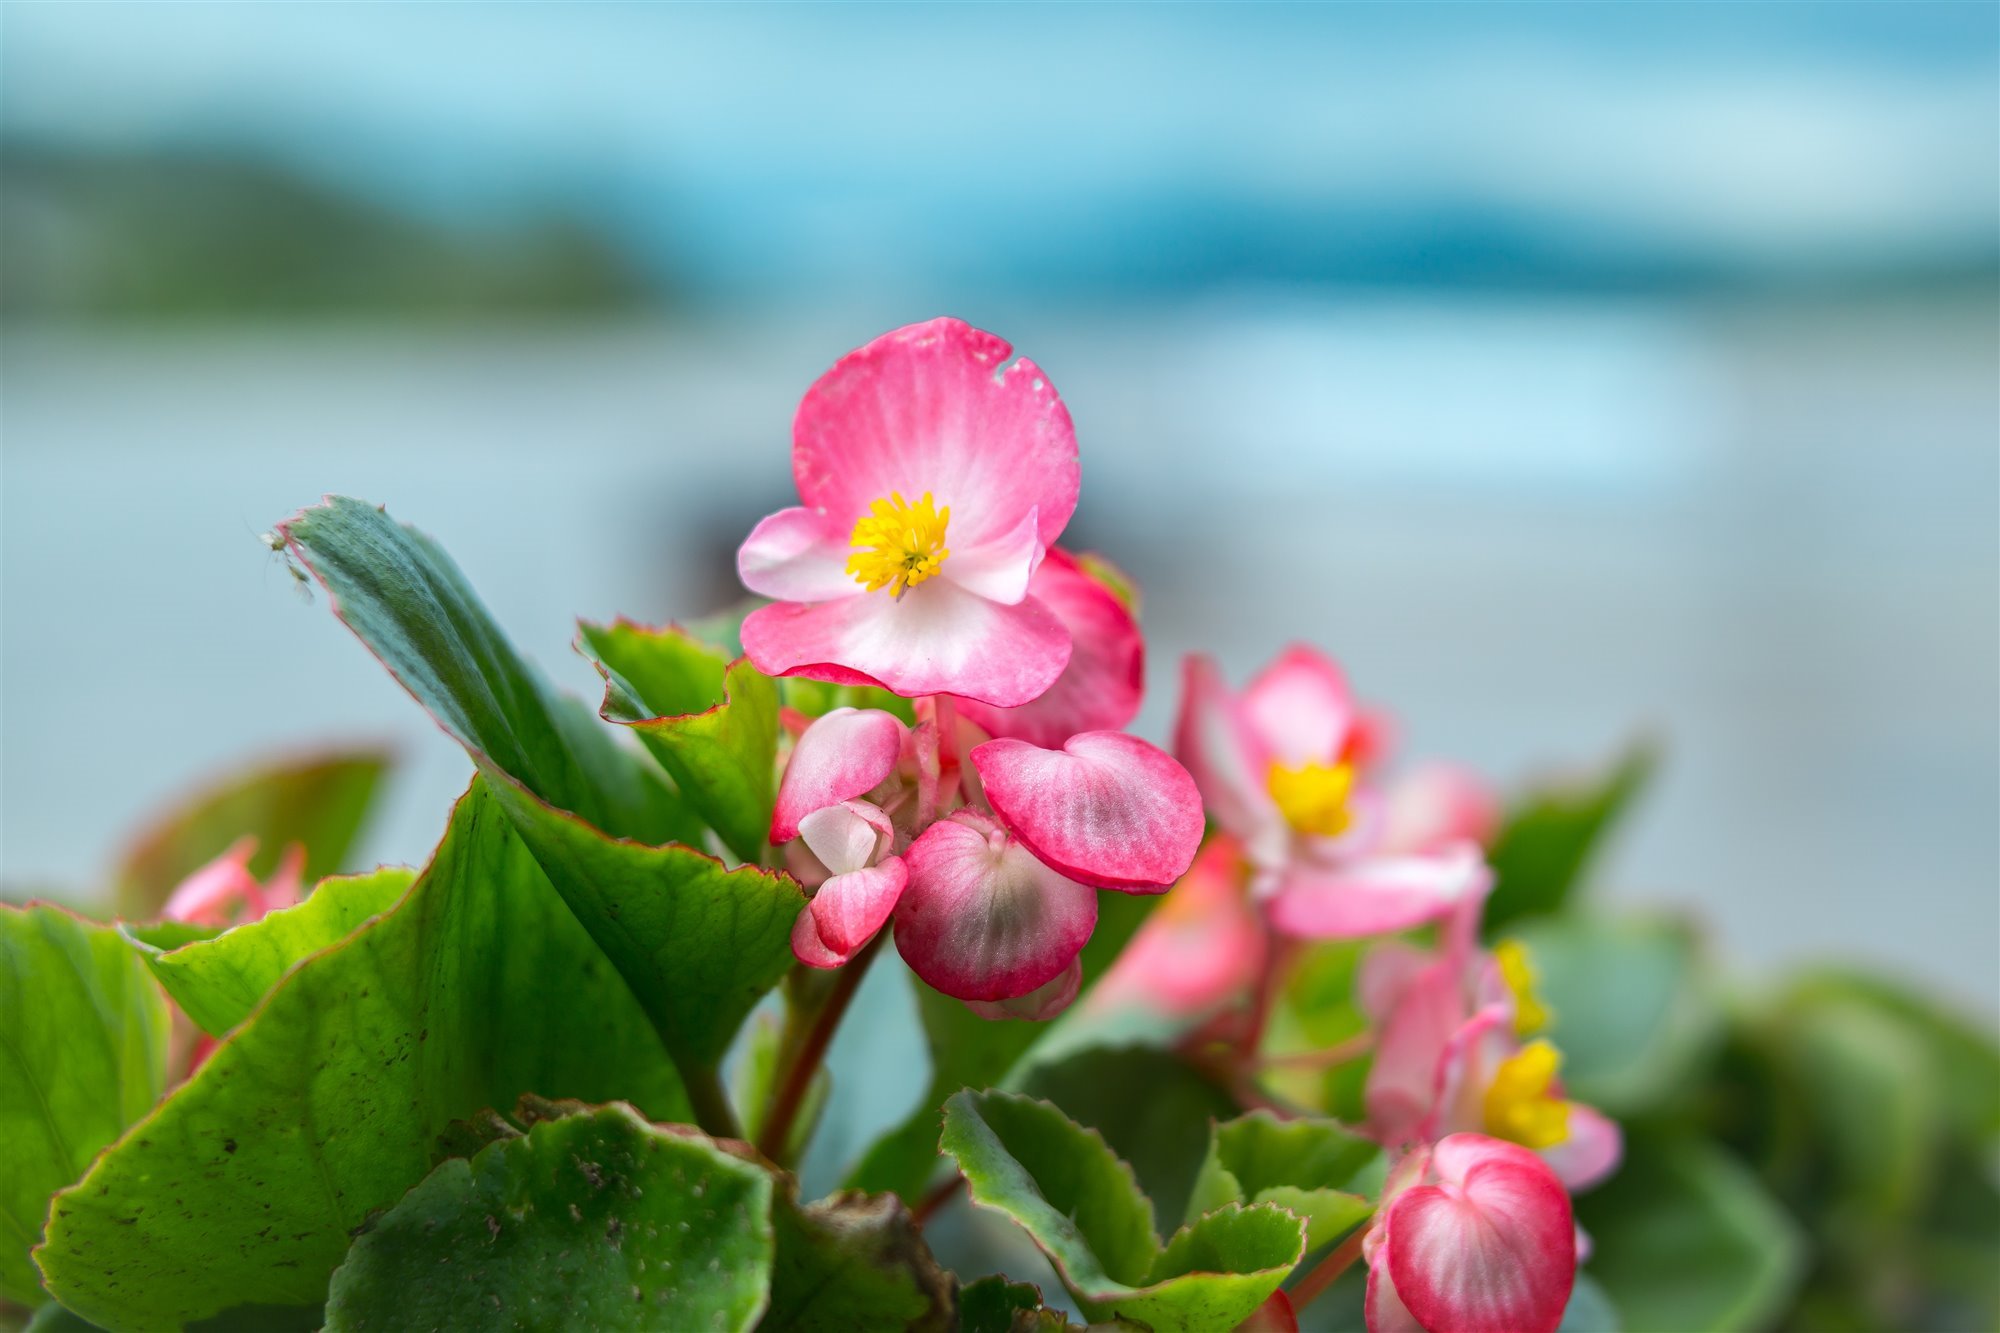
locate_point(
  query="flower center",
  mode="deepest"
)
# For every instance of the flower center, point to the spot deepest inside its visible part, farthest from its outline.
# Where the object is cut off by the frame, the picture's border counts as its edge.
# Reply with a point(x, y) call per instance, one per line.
point(1519, 1106)
point(898, 545)
point(1517, 969)
point(1313, 797)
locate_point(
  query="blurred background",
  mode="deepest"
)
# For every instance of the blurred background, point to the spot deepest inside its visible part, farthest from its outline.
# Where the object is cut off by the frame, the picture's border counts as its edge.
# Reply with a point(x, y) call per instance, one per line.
point(1574, 373)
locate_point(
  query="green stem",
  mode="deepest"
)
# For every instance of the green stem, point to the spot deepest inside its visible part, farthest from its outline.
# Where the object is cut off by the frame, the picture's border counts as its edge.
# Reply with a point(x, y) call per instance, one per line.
point(712, 1110)
point(817, 1026)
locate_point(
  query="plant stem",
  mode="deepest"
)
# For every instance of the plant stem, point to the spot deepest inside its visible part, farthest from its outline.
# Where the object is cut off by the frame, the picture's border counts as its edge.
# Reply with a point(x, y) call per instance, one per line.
point(788, 1094)
point(712, 1110)
point(945, 1191)
point(1328, 1269)
point(1325, 1058)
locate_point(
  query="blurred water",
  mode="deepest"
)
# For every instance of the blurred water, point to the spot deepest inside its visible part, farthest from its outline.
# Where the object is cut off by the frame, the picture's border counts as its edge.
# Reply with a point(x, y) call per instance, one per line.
point(1766, 534)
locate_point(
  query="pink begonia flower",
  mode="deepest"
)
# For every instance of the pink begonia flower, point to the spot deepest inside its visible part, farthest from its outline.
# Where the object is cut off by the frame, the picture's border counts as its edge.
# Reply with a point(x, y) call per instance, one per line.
point(1474, 1235)
point(225, 893)
point(1200, 949)
point(1450, 1056)
point(1280, 768)
point(933, 478)
point(852, 840)
point(1101, 688)
point(1436, 806)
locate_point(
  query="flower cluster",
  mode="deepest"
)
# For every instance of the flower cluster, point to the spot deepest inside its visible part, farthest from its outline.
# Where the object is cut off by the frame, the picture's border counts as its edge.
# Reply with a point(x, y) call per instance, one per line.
point(935, 479)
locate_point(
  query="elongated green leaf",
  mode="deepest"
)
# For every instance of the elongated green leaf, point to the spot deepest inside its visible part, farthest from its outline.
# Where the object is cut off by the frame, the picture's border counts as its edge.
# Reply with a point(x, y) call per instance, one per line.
point(596, 1220)
point(218, 981)
point(712, 723)
point(244, 1185)
point(83, 1052)
point(1307, 1167)
point(968, 1051)
point(697, 944)
point(318, 801)
point(1551, 838)
point(1634, 1010)
point(1684, 1238)
point(1082, 1207)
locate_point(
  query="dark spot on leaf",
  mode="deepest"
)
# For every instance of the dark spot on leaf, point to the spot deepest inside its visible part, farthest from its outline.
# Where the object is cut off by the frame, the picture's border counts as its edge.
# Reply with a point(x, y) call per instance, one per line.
point(229, 1145)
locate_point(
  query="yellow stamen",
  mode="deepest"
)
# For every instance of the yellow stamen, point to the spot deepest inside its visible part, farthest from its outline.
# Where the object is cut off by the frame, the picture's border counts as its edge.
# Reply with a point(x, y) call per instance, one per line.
point(1517, 969)
point(1313, 797)
point(1519, 1105)
point(898, 545)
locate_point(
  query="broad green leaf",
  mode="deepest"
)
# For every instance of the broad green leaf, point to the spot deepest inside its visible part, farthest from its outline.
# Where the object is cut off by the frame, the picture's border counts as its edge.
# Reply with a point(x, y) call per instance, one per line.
point(968, 1051)
point(218, 981)
point(1307, 1167)
point(83, 1053)
point(325, 1104)
point(853, 1262)
point(1553, 836)
point(1152, 1108)
point(697, 944)
point(1684, 1239)
point(596, 1220)
point(1082, 1207)
point(317, 801)
point(712, 723)
point(995, 1305)
point(1634, 1011)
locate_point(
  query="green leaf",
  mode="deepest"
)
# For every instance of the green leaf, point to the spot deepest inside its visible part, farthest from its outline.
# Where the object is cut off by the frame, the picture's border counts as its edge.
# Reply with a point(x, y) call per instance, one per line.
point(317, 801)
point(326, 1103)
point(83, 1053)
point(1551, 838)
point(968, 1051)
point(712, 723)
point(1635, 1013)
point(697, 944)
point(596, 1220)
point(1152, 1108)
point(1307, 1167)
point(853, 1262)
point(1685, 1239)
point(218, 981)
point(995, 1305)
point(1589, 1309)
point(1082, 1207)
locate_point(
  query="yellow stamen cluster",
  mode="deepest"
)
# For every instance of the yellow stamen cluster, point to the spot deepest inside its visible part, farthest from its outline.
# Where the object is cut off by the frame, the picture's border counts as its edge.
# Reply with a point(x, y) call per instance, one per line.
point(898, 545)
point(1313, 797)
point(1517, 969)
point(1519, 1106)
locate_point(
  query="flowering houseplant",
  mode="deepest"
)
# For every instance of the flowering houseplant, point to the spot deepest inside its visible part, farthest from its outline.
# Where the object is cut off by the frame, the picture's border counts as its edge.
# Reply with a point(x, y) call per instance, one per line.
point(1334, 1047)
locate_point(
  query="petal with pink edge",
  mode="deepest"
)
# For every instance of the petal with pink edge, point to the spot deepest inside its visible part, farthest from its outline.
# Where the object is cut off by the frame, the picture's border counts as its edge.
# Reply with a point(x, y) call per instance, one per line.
point(850, 908)
point(808, 947)
point(1491, 1246)
point(844, 754)
point(1385, 1311)
point(847, 837)
point(1040, 1004)
point(1410, 1048)
point(1101, 687)
point(1225, 758)
point(1002, 569)
point(981, 918)
point(1592, 1151)
point(1376, 896)
point(796, 555)
point(1300, 707)
point(1201, 947)
point(936, 639)
point(927, 408)
point(1107, 809)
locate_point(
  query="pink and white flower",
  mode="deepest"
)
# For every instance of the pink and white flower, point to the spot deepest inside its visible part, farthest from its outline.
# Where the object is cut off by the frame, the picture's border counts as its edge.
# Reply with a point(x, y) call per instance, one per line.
point(933, 477)
point(225, 893)
point(1281, 768)
point(1474, 1235)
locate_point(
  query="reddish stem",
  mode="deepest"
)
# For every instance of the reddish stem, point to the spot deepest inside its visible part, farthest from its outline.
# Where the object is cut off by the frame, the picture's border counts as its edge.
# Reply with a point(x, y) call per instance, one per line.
point(1328, 1269)
point(945, 1191)
point(790, 1095)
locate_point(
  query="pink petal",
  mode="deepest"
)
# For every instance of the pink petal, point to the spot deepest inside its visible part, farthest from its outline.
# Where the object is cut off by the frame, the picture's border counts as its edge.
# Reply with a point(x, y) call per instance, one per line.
point(847, 837)
point(925, 408)
point(1101, 687)
point(287, 883)
point(211, 895)
point(797, 555)
point(1384, 1309)
point(981, 918)
point(1040, 1004)
point(1465, 1070)
point(1377, 896)
point(936, 639)
point(1225, 758)
point(846, 753)
point(1410, 1048)
point(1202, 946)
point(850, 908)
point(1493, 1246)
point(1107, 809)
point(1300, 707)
point(807, 946)
point(1387, 970)
point(1437, 805)
point(999, 570)
point(1592, 1151)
